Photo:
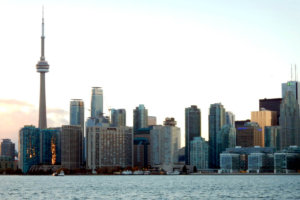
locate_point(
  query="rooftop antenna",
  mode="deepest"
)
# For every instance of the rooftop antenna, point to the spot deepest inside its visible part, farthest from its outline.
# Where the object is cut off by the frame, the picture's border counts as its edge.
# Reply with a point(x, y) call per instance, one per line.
point(295, 72)
point(291, 72)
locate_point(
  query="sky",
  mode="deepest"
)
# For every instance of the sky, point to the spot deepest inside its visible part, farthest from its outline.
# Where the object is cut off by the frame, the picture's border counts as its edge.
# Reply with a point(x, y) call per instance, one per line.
point(166, 54)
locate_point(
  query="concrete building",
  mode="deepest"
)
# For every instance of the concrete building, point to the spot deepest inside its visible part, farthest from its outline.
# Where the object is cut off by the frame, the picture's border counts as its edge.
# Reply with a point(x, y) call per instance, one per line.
point(97, 102)
point(7, 148)
point(165, 145)
point(272, 105)
point(199, 153)
point(192, 128)
point(272, 137)
point(249, 135)
point(264, 118)
point(71, 147)
point(289, 121)
point(216, 121)
point(28, 147)
point(77, 112)
point(118, 117)
point(151, 120)
point(288, 160)
point(109, 147)
point(42, 67)
point(140, 118)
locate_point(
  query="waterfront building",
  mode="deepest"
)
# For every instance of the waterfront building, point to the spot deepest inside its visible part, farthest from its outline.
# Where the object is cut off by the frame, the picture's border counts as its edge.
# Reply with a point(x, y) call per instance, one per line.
point(272, 105)
point(28, 147)
point(226, 138)
point(192, 128)
point(140, 118)
point(7, 148)
point(142, 148)
point(230, 118)
point(199, 153)
point(71, 147)
point(109, 147)
point(272, 137)
point(151, 120)
point(77, 113)
point(97, 102)
point(7, 163)
point(260, 162)
point(289, 121)
point(216, 122)
point(249, 135)
point(50, 149)
point(165, 145)
point(288, 160)
point(118, 117)
point(229, 163)
point(42, 67)
point(264, 118)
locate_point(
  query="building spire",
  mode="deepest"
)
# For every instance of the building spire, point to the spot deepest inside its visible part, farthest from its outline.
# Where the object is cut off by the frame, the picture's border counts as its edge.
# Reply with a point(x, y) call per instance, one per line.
point(43, 38)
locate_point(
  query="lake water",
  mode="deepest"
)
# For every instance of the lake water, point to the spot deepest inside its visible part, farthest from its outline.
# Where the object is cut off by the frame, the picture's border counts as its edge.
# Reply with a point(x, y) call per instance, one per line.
point(151, 187)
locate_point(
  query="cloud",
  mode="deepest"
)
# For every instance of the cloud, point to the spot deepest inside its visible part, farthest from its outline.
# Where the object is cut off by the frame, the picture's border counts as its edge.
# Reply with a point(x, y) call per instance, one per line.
point(14, 114)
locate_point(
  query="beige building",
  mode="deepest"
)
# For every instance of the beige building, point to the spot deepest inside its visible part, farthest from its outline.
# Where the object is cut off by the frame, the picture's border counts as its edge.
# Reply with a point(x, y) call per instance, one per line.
point(264, 118)
point(71, 147)
point(109, 147)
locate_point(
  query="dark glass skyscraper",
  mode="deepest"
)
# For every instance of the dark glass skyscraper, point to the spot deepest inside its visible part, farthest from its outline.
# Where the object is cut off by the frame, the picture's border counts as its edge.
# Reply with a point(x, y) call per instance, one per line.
point(140, 118)
point(97, 102)
point(216, 121)
point(192, 128)
point(118, 117)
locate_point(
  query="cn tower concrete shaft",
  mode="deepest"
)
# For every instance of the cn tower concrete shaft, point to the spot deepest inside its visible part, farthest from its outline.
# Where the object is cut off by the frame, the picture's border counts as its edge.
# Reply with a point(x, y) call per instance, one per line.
point(42, 108)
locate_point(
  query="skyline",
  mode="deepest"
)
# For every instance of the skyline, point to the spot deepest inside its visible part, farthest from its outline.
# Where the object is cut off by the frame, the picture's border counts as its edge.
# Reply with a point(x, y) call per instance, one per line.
point(107, 40)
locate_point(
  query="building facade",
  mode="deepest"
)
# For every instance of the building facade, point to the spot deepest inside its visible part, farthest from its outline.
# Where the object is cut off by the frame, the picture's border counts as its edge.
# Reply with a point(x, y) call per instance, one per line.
point(71, 147)
point(151, 120)
point(140, 118)
point(192, 128)
point(142, 148)
point(272, 105)
point(77, 112)
point(109, 147)
point(230, 118)
point(97, 102)
point(7, 148)
point(249, 135)
point(216, 121)
point(272, 137)
point(199, 153)
point(264, 118)
point(50, 149)
point(28, 147)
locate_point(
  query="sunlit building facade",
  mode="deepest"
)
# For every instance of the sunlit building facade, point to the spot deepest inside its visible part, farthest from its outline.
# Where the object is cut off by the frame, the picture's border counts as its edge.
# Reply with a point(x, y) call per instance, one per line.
point(29, 147)
point(50, 152)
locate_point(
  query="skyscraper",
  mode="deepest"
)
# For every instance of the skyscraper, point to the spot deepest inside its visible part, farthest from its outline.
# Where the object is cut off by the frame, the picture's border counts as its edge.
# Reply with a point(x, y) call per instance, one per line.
point(7, 148)
point(230, 118)
point(289, 121)
point(216, 121)
point(271, 104)
point(42, 67)
point(77, 112)
point(97, 102)
point(292, 86)
point(199, 153)
point(249, 135)
point(118, 117)
point(192, 128)
point(140, 118)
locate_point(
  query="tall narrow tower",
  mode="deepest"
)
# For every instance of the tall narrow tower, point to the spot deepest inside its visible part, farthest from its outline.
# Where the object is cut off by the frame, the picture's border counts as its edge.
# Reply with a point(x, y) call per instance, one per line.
point(42, 67)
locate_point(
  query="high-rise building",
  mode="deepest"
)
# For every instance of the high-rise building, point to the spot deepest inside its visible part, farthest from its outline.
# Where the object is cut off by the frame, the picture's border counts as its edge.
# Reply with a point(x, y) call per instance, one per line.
point(7, 148)
point(97, 102)
point(226, 138)
point(109, 147)
point(142, 148)
point(293, 87)
point(29, 147)
point(192, 128)
point(71, 147)
point(249, 135)
point(118, 117)
point(42, 67)
point(151, 120)
point(272, 105)
point(77, 112)
point(140, 118)
point(50, 149)
point(230, 118)
point(165, 145)
point(199, 153)
point(241, 123)
point(289, 121)
point(216, 122)
point(272, 137)
point(264, 118)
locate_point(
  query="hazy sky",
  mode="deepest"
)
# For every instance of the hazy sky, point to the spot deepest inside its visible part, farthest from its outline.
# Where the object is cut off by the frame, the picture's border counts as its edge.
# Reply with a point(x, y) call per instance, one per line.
point(166, 55)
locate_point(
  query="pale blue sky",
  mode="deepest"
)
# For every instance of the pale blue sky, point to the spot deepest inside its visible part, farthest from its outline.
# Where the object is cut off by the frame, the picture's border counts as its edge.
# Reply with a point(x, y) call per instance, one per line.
point(167, 55)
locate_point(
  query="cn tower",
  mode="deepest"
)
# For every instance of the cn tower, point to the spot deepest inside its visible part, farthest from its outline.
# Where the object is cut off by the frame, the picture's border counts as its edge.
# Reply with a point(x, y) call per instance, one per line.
point(42, 67)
